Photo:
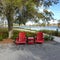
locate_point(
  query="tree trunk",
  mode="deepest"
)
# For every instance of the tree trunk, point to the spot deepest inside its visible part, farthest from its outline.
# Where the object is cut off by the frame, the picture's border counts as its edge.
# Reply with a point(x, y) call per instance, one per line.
point(10, 33)
point(10, 26)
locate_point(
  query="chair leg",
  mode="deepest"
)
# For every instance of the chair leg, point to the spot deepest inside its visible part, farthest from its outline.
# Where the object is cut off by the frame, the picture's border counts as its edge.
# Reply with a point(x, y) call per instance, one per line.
point(35, 44)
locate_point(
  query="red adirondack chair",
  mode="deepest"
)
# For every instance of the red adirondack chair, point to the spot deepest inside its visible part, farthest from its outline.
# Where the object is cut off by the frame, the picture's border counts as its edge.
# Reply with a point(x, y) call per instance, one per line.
point(21, 39)
point(39, 38)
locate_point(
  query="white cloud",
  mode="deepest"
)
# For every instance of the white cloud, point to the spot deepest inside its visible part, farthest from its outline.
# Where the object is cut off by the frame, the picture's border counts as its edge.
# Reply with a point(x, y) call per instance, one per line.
point(40, 21)
point(40, 9)
point(29, 23)
point(53, 21)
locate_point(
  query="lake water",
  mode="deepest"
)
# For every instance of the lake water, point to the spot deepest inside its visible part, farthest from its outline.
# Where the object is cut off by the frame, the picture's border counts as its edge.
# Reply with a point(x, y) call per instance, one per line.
point(40, 27)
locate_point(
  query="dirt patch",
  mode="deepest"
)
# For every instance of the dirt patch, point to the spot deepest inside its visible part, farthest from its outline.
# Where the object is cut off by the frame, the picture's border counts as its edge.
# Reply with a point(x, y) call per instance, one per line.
point(6, 41)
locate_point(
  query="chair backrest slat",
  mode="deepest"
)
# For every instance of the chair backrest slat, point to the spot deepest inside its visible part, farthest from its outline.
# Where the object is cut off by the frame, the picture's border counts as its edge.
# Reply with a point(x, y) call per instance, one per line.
point(40, 35)
point(22, 35)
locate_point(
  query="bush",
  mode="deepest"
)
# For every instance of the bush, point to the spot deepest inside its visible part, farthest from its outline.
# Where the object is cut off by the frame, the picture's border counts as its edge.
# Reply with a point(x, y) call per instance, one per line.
point(48, 38)
point(1, 38)
point(56, 32)
point(3, 33)
point(15, 34)
point(51, 32)
point(51, 37)
point(30, 34)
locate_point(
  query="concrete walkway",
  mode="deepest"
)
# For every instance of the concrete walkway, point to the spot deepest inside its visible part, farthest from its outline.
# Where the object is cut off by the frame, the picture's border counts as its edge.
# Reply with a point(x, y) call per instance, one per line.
point(57, 39)
point(45, 51)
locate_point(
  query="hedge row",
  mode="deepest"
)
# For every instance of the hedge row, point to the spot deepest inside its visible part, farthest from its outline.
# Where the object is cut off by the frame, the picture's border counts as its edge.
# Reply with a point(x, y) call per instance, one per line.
point(51, 32)
point(15, 34)
point(4, 34)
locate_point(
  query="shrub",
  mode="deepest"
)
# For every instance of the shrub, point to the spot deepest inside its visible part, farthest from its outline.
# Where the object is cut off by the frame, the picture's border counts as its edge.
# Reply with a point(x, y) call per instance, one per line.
point(51, 32)
point(48, 38)
point(30, 34)
point(15, 34)
point(51, 37)
point(1, 38)
point(56, 32)
point(5, 34)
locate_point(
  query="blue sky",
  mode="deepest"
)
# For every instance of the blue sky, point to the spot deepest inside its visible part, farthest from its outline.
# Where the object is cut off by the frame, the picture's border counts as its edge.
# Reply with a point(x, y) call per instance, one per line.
point(56, 10)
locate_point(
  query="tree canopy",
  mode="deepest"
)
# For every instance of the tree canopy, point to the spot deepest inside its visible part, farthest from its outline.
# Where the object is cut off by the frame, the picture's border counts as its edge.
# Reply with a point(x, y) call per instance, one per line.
point(27, 9)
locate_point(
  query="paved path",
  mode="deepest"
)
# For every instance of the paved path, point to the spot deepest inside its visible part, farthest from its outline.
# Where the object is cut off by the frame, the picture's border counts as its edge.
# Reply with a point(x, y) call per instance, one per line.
point(57, 39)
point(46, 51)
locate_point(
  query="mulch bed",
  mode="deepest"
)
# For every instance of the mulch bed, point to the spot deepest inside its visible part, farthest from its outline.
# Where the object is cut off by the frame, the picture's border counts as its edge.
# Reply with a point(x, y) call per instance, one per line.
point(11, 41)
point(6, 41)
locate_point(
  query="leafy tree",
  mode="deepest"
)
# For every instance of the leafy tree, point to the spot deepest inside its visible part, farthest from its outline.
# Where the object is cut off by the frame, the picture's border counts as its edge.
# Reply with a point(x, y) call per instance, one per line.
point(27, 8)
point(20, 17)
